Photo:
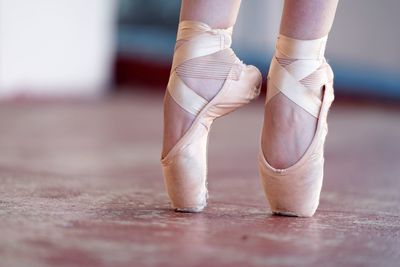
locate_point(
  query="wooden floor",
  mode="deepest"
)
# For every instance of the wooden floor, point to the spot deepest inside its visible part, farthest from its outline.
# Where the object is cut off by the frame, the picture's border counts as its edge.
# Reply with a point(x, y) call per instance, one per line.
point(81, 185)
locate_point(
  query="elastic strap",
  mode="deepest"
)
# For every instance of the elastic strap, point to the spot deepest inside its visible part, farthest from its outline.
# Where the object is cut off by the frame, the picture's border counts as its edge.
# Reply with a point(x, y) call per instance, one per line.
point(199, 40)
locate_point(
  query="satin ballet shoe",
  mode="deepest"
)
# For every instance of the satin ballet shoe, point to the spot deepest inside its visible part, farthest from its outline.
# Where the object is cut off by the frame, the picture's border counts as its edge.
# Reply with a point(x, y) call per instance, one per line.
point(300, 72)
point(204, 53)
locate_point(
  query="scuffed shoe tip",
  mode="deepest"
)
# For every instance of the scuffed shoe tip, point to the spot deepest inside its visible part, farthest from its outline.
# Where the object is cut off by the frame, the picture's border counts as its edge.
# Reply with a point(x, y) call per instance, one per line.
point(293, 214)
point(190, 210)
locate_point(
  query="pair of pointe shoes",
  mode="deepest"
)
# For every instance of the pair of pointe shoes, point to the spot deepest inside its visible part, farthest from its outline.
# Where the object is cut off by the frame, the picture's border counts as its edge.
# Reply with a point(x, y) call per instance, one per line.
point(298, 71)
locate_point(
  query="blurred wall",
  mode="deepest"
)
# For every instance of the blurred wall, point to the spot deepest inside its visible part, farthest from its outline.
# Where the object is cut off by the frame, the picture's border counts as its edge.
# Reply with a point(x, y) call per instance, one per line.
point(66, 47)
point(56, 47)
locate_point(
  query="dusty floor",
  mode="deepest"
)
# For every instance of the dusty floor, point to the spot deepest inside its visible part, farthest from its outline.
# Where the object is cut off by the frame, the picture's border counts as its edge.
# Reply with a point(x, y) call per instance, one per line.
point(81, 185)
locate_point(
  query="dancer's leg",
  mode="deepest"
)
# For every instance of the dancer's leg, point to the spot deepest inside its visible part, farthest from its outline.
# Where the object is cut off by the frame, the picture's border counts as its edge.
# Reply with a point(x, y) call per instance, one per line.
point(217, 14)
point(299, 95)
point(207, 81)
point(288, 129)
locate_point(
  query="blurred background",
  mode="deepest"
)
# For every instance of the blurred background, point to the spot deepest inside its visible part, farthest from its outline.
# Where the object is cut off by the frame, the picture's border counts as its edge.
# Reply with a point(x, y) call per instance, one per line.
point(87, 48)
point(81, 89)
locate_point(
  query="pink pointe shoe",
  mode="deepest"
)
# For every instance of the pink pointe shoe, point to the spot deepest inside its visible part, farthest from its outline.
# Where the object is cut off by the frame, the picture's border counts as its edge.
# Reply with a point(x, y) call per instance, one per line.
point(299, 71)
point(206, 54)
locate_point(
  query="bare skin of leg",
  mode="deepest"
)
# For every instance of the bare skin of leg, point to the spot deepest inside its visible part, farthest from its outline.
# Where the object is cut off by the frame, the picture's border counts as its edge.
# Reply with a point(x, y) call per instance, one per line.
point(288, 129)
point(217, 14)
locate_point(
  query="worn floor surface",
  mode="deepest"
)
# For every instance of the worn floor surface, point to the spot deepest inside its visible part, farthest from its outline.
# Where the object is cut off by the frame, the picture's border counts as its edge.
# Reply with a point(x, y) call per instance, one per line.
point(81, 185)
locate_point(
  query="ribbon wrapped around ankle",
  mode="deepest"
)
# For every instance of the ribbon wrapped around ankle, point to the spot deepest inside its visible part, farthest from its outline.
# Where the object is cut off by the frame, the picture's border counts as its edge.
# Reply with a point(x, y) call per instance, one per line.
point(201, 40)
point(294, 62)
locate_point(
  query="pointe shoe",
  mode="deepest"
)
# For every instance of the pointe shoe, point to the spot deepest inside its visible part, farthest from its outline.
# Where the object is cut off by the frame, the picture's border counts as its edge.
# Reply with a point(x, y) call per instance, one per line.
point(299, 71)
point(185, 165)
